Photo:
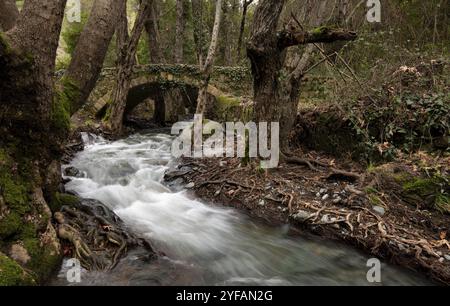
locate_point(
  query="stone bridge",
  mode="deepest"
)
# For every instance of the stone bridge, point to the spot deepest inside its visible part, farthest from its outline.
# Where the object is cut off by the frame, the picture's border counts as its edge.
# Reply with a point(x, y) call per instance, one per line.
point(173, 91)
point(168, 93)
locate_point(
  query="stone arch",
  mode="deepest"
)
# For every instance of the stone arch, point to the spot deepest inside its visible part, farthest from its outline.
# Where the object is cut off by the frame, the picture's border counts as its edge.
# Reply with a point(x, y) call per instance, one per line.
point(156, 86)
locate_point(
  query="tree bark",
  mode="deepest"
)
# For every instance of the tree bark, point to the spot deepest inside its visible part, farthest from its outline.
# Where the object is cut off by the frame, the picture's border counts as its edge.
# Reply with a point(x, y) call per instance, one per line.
point(8, 14)
point(40, 40)
point(227, 28)
point(32, 133)
point(153, 35)
point(90, 52)
point(182, 10)
point(207, 65)
point(294, 68)
point(124, 70)
point(245, 6)
point(273, 87)
point(200, 32)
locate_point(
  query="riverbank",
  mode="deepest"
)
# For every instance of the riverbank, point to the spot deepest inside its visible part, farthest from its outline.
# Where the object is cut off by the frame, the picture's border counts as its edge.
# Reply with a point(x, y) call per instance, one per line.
point(392, 211)
point(201, 243)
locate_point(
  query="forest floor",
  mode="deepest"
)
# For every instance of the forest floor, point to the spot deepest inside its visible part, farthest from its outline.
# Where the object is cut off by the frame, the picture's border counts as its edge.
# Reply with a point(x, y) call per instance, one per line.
point(388, 211)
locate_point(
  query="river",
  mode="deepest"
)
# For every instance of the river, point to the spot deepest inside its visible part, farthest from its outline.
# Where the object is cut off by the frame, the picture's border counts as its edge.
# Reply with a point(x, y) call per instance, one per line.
point(203, 244)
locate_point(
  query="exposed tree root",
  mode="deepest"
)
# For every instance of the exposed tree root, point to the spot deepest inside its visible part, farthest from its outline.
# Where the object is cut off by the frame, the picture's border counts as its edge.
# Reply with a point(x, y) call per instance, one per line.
point(98, 237)
point(333, 206)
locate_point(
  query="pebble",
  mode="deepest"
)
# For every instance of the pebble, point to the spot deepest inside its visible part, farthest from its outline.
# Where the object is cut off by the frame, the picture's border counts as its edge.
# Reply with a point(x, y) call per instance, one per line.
point(337, 200)
point(441, 260)
point(301, 216)
point(325, 197)
point(318, 195)
point(447, 257)
point(190, 185)
point(325, 219)
point(223, 163)
point(322, 191)
point(262, 203)
point(379, 210)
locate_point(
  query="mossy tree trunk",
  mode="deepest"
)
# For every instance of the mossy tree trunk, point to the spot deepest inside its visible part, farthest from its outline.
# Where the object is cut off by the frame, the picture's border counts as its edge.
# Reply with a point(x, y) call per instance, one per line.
point(90, 51)
point(34, 123)
point(274, 89)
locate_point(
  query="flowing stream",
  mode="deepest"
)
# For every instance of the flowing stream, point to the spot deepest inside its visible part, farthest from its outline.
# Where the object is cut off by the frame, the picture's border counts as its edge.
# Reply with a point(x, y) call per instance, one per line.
point(203, 244)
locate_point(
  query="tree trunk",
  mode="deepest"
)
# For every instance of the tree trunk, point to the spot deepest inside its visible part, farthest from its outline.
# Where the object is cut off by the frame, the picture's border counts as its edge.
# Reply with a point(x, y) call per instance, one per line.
point(33, 125)
point(200, 32)
point(124, 70)
point(90, 52)
point(227, 28)
point(182, 10)
point(294, 68)
point(274, 89)
point(154, 39)
point(122, 34)
point(245, 6)
point(207, 65)
point(8, 14)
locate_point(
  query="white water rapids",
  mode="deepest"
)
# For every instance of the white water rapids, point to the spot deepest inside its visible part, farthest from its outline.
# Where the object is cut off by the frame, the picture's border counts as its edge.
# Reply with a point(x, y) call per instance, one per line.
point(204, 244)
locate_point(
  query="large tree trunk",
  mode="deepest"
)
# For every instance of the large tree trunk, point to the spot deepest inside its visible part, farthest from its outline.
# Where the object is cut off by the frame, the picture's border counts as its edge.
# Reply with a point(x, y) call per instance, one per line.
point(153, 34)
point(32, 124)
point(273, 89)
point(90, 52)
point(8, 14)
point(116, 111)
point(207, 65)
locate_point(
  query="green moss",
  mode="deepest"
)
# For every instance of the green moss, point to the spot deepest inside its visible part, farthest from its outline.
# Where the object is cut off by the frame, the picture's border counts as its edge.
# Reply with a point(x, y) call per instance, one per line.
point(10, 225)
point(62, 105)
point(320, 30)
point(421, 186)
point(228, 108)
point(63, 199)
point(13, 185)
point(4, 43)
point(435, 189)
point(12, 274)
point(43, 260)
point(375, 200)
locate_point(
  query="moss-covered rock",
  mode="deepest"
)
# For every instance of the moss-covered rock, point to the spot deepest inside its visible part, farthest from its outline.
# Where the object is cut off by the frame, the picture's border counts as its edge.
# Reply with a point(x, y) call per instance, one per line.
point(12, 274)
point(433, 192)
point(62, 199)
